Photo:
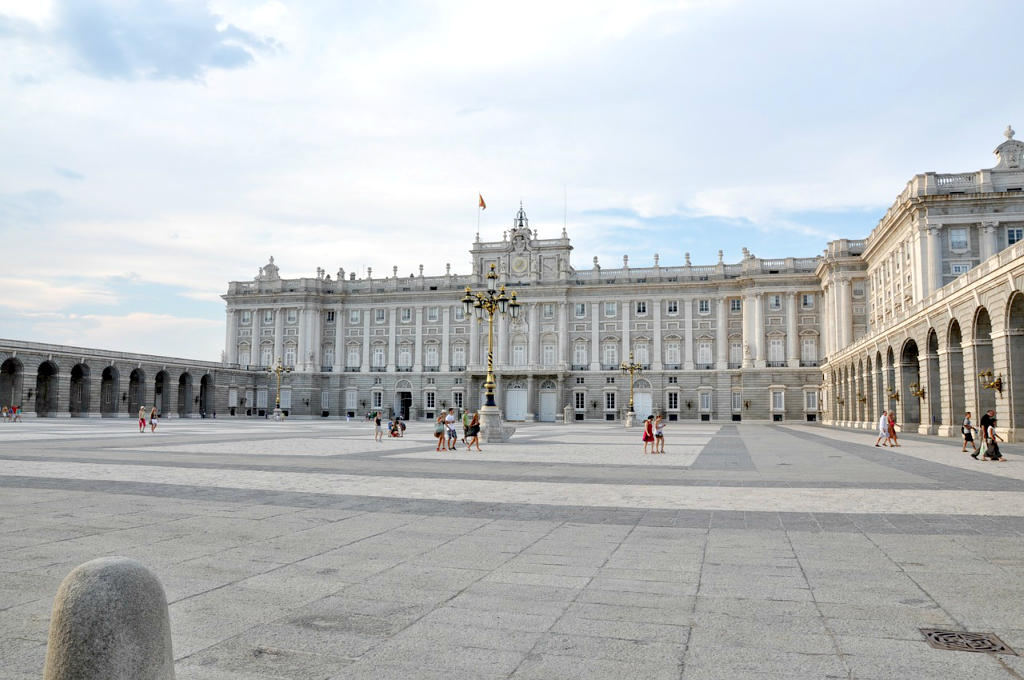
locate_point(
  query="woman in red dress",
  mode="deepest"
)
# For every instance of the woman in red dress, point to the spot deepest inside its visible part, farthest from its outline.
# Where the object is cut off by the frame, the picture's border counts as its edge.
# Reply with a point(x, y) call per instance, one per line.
point(649, 433)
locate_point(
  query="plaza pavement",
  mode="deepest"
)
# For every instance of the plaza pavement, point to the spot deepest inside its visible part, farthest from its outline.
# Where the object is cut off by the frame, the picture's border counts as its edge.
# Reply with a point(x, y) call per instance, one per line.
point(307, 550)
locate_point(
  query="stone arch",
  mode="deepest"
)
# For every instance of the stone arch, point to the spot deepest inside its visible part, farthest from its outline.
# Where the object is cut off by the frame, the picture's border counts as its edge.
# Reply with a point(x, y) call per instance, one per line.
point(641, 384)
point(109, 396)
point(957, 399)
point(869, 392)
point(1014, 380)
point(136, 390)
point(47, 386)
point(879, 387)
point(548, 385)
point(206, 395)
point(890, 380)
point(12, 379)
point(161, 393)
point(981, 339)
point(403, 384)
point(910, 381)
point(861, 398)
point(78, 399)
point(185, 395)
point(936, 417)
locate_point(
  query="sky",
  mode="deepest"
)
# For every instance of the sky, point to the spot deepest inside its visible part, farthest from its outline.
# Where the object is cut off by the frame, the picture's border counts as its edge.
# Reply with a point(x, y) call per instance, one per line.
point(151, 151)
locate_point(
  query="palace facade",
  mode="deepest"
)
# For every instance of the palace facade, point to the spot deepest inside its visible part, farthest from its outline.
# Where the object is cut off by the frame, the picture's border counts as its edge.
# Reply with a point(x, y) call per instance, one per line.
point(925, 316)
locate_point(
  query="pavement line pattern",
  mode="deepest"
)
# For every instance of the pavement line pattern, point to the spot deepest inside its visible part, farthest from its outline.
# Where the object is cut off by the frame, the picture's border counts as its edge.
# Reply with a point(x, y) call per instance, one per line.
point(751, 499)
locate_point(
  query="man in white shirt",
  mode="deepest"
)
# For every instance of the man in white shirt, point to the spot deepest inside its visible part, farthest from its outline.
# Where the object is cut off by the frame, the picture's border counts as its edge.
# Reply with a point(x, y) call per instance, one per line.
point(883, 429)
point(449, 423)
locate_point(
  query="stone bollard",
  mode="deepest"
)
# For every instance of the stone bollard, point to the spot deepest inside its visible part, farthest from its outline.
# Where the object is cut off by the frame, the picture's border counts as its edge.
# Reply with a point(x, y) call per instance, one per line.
point(110, 622)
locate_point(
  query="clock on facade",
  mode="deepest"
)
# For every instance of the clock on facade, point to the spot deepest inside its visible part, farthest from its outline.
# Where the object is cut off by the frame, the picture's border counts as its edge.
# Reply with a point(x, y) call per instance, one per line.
point(519, 264)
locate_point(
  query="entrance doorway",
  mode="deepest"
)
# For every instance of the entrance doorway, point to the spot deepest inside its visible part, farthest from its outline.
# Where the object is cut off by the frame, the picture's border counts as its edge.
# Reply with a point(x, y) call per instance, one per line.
point(515, 401)
point(403, 404)
point(642, 404)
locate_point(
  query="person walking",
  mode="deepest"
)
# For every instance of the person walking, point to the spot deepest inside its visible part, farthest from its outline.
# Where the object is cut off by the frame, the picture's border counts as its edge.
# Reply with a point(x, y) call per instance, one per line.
point(17, 413)
point(659, 434)
point(968, 430)
point(467, 418)
point(378, 430)
point(892, 429)
point(449, 423)
point(993, 452)
point(648, 435)
point(153, 417)
point(439, 432)
point(142, 418)
point(5, 413)
point(883, 429)
point(473, 432)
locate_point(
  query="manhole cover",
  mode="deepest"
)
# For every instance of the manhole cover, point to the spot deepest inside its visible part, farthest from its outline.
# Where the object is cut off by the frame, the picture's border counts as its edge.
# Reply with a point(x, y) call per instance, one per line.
point(960, 641)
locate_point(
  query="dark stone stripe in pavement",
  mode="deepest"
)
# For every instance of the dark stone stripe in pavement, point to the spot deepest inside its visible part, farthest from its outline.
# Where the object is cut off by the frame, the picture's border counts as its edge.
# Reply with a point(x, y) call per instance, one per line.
point(690, 519)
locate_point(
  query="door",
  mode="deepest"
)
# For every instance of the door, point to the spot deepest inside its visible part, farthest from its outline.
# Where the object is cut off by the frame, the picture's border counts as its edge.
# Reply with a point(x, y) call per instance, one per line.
point(548, 406)
point(515, 405)
point(642, 404)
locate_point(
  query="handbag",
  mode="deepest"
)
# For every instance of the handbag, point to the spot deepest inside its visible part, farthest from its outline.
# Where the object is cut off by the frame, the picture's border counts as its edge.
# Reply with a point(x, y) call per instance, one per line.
point(984, 448)
point(438, 428)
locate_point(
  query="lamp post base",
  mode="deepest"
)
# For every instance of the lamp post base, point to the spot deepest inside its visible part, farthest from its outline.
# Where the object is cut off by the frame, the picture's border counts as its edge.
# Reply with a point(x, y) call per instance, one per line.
point(630, 419)
point(278, 414)
point(491, 429)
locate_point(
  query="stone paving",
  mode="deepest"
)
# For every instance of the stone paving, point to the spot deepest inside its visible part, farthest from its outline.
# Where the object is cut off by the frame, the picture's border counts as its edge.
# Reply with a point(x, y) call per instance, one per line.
point(307, 550)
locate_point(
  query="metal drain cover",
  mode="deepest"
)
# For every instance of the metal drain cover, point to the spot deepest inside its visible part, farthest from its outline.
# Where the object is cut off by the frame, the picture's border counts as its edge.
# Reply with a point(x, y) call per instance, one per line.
point(961, 641)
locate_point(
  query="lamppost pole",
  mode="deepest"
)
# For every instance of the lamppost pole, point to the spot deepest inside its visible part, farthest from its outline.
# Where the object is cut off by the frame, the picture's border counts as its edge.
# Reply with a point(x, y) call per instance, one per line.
point(490, 301)
point(630, 368)
point(278, 370)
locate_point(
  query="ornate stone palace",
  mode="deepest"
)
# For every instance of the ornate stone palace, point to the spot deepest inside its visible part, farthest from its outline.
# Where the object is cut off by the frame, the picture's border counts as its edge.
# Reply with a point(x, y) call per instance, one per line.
point(925, 316)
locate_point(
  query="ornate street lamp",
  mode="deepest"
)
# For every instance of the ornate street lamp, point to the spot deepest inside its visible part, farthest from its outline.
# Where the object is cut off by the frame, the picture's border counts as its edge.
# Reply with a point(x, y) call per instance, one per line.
point(631, 368)
point(278, 370)
point(490, 301)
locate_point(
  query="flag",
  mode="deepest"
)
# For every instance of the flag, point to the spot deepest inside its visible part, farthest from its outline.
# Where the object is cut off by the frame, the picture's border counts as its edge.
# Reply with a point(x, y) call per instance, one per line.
point(483, 206)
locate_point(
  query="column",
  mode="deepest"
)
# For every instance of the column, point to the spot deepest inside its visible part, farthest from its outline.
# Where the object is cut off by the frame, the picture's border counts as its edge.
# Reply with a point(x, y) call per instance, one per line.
point(748, 331)
point(302, 344)
point(846, 312)
point(339, 344)
point(563, 334)
point(625, 331)
point(231, 340)
point(687, 334)
point(595, 337)
point(367, 313)
point(278, 334)
point(530, 401)
point(792, 332)
point(722, 336)
point(501, 356)
point(417, 357)
point(446, 349)
point(825, 316)
point(316, 337)
point(534, 346)
point(392, 337)
point(989, 244)
point(759, 329)
point(919, 251)
point(934, 259)
point(474, 339)
point(256, 350)
point(656, 343)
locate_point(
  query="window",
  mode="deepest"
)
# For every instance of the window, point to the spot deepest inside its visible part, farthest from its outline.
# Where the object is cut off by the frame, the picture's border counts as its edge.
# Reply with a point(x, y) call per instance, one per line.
point(431, 356)
point(609, 381)
point(353, 316)
point(737, 401)
point(289, 356)
point(960, 268)
point(774, 302)
point(268, 316)
point(330, 317)
point(1015, 235)
point(958, 238)
point(777, 350)
point(243, 357)
point(246, 318)
point(778, 400)
point(404, 356)
point(705, 401)
point(329, 356)
point(378, 357)
point(460, 313)
point(266, 356)
point(457, 400)
point(293, 316)
point(704, 306)
point(704, 352)
point(432, 313)
point(611, 354)
point(430, 381)
point(807, 300)
point(518, 355)
point(261, 398)
point(580, 381)
point(735, 305)
point(673, 401)
point(641, 308)
point(353, 357)
point(378, 400)
point(642, 354)
point(549, 311)
point(579, 355)
point(581, 309)
point(351, 399)
point(811, 400)
point(406, 315)
point(672, 353)
point(609, 401)
point(580, 400)
point(431, 397)
point(378, 315)
point(548, 355)
point(673, 380)
point(809, 349)
point(609, 309)
point(673, 307)
point(459, 355)
point(735, 353)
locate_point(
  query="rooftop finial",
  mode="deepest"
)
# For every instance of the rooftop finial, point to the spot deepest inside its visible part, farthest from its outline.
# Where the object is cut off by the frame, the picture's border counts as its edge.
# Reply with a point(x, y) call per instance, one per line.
point(1009, 132)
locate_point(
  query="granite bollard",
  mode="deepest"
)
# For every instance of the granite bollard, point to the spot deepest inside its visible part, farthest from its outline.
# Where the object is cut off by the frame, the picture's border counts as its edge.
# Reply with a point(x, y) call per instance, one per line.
point(110, 622)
